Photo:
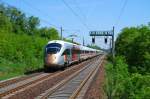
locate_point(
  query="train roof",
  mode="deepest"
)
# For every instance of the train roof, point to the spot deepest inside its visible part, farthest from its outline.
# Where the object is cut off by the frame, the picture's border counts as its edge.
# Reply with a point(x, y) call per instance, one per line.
point(61, 42)
point(64, 43)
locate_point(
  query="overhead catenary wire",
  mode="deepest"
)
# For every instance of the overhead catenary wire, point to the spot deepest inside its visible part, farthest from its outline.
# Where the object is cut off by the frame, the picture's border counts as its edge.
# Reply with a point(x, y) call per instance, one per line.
point(79, 18)
point(38, 10)
point(30, 14)
point(43, 20)
point(121, 12)
point(80, 10)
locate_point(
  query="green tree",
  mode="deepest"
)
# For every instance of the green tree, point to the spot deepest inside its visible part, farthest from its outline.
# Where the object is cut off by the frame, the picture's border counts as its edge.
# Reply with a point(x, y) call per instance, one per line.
point(33, 23)
point(134, 44)
point(54, 33)
point(49, 33)
point(19, 52)
point(140, 53)
point(5, 24)
point(116, 78)
point(120, 84)
point(124, 41)
point(139, 87)
point(15, 16)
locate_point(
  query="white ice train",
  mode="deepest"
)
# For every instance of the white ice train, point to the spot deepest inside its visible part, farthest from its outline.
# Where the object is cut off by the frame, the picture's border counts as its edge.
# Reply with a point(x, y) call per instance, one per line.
point(60, 53)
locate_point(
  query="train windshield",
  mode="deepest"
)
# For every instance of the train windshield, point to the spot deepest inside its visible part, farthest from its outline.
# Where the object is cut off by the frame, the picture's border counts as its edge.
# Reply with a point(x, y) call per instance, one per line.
point(53, 48)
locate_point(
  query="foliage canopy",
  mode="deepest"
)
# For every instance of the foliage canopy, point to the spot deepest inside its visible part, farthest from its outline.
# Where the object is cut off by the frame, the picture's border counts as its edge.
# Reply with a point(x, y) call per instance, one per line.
point(128, 77)
point(134, 44)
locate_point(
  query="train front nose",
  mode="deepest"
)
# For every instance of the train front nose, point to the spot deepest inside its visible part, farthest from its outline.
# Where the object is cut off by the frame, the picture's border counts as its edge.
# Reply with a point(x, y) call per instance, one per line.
point(51, 54)
point(50, 60)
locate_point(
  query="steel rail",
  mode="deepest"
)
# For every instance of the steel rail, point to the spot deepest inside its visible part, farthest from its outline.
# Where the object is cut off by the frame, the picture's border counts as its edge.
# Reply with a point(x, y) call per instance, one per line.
point(9, 91)
point(14, 80)
point(90, 76)
point(35, 82)
point(53, 89)
point(62, 83)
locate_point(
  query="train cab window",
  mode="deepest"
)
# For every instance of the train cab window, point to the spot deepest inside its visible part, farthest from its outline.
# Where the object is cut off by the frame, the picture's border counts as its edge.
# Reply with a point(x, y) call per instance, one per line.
point(66, 52)
point(53, 48)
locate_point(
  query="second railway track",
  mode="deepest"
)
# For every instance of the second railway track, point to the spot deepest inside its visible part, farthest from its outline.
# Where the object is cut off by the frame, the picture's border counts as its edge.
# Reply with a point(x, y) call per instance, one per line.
point(22, 84)
point(17, 79)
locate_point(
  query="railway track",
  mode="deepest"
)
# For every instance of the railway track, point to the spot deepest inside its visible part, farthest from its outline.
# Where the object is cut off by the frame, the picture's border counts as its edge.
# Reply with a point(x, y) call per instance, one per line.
point(17, 79)
point(19, 88)
point(74, 86)
point(22, 84)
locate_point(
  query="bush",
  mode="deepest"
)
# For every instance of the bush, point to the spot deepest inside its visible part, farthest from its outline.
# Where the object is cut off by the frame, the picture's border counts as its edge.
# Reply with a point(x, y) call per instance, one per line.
point(120, 84)
point(134, 44)
point(22, 52)
point(140, 87)
point(116, 78)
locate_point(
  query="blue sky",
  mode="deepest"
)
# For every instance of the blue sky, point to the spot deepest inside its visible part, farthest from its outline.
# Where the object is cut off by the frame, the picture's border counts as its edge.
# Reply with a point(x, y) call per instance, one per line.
point(97, 14)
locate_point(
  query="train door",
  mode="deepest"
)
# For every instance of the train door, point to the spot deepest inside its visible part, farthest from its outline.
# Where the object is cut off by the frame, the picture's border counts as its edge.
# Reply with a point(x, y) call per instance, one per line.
point(78, 54)
point(75, 54)
point(67, 56)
